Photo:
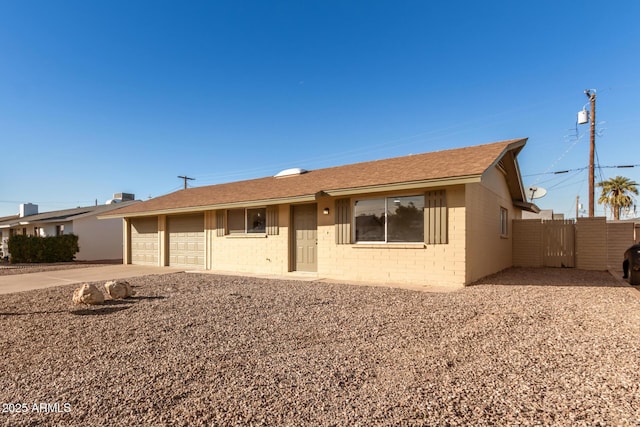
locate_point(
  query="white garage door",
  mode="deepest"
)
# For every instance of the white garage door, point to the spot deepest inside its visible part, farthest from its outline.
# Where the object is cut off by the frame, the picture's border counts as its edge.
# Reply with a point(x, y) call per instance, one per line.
point(186, 241)
point(144, 241)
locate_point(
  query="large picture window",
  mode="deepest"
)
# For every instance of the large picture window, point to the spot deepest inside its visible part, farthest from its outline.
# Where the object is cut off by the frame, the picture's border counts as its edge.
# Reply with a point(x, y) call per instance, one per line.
point(241, 221)
point(390, 219)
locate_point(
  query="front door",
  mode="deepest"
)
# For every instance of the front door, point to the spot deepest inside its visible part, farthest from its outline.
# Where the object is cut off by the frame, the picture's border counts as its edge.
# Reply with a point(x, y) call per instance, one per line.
point(305, 238)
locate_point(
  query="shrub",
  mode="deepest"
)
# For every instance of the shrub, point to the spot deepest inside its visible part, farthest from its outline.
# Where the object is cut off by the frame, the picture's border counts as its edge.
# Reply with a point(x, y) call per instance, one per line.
point(43, 249)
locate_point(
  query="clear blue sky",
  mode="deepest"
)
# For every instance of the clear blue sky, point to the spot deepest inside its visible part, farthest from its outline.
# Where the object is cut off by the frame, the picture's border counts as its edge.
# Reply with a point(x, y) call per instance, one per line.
point(99, 97)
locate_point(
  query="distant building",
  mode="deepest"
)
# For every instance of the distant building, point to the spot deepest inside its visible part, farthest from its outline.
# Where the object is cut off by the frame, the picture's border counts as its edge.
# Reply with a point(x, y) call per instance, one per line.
point(543, 214)
point(98, 239)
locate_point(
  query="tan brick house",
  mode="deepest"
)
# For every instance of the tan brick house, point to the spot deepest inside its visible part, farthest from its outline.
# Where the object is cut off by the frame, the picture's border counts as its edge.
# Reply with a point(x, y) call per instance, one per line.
point(434, 218)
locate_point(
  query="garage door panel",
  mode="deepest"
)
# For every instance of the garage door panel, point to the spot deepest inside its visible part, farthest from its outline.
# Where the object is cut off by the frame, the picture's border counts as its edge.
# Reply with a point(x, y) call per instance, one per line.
point(186, 241)
point(144, 241)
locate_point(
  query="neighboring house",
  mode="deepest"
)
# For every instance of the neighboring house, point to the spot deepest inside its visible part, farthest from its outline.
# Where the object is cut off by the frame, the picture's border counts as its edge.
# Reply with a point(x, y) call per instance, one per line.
point(98, 240)
point(434, 218)
point(545, 214)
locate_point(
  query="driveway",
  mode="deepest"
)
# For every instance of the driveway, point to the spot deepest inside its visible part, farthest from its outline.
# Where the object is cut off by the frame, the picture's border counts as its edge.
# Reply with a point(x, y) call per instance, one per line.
point(26, 282)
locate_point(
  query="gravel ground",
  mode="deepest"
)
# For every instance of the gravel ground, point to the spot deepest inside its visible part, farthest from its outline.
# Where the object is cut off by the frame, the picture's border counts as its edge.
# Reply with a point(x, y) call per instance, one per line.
point(524, 347)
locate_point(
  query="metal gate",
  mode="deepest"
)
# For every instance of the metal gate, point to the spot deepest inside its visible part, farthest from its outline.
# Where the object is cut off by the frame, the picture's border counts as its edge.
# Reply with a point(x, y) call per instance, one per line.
point(558, 243)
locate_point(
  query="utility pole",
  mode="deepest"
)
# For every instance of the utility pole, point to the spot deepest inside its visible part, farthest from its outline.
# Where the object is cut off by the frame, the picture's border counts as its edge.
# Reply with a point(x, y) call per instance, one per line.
point(577, 206)
point(185, 180)
point(591, 94)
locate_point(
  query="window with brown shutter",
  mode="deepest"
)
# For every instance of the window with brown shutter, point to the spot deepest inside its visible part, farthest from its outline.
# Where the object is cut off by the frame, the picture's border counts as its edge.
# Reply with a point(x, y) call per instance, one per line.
point(435, 217)
point(272, 220)
point(343, 221)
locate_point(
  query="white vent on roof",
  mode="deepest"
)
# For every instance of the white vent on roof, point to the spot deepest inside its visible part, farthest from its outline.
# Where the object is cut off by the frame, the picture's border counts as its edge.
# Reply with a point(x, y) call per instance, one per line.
point(290, 172)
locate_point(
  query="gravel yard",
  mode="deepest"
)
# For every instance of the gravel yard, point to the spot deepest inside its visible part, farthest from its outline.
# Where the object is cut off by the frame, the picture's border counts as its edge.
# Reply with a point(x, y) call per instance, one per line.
point(524, 347)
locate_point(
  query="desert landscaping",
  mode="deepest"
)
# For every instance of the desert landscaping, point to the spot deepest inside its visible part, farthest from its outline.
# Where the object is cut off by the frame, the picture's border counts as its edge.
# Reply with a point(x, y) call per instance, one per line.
point(523, 347)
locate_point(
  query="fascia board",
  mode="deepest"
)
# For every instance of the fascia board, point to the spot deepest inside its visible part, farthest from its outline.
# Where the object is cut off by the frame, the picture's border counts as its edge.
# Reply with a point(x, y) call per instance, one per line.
point(404, 186)
point(531, 207)
point(231, 205)
point(104, 208)
point(515, 148)
point(52, 221)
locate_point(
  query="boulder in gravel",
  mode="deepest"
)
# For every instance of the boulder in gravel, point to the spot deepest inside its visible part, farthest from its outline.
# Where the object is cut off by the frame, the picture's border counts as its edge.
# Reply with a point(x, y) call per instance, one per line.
point(88, 294)
point(118, 289)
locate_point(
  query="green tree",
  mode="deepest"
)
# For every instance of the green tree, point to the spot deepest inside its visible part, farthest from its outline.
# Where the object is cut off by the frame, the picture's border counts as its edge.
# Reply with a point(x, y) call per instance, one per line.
point(617, 193)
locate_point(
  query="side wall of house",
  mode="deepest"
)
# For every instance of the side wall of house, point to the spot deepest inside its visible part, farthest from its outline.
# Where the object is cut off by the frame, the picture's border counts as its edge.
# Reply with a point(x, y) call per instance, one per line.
point(98, 239)
point(488, 250)
point(259, 254)
point(418, 264)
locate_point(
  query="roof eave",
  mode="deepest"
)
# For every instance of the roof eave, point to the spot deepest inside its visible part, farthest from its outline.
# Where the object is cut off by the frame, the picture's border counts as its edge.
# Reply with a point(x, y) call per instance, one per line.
point(202, 208)
point(411, 185)
point(527, 206)
point(512, 169)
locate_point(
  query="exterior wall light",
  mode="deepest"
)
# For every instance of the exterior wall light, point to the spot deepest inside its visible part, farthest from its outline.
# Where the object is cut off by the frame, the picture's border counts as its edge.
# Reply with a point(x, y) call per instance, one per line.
point(326, 211)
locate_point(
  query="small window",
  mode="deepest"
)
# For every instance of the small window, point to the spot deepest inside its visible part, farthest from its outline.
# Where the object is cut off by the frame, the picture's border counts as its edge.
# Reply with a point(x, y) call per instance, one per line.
point(504, 222)
point(241, 221)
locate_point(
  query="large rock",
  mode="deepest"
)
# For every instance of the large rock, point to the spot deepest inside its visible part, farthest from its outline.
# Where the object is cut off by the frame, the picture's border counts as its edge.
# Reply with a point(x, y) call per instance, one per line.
point(119, 289)
point(88, 294)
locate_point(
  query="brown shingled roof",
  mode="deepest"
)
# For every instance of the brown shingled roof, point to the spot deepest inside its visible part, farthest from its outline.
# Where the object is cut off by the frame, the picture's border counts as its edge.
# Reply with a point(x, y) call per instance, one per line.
point(434, 166)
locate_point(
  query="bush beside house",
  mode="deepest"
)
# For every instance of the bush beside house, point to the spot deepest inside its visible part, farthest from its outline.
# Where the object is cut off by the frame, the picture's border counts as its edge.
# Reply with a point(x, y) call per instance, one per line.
point(43, 249)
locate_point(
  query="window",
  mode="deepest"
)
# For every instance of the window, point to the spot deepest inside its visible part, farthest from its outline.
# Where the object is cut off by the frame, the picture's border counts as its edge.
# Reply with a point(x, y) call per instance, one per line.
point(59, 230)
point(504, 222)
point(241, 221)
point(390, 219)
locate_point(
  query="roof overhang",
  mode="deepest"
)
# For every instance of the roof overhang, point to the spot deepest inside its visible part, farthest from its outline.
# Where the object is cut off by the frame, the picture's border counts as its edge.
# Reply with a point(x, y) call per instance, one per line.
point(527, 206)
point(202, 208)
point(405, 186)
point(340, 192)
point(507, 162)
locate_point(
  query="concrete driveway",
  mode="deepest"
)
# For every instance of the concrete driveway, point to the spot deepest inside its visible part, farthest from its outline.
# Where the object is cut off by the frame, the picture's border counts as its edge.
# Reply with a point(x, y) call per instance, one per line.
point(26, 282)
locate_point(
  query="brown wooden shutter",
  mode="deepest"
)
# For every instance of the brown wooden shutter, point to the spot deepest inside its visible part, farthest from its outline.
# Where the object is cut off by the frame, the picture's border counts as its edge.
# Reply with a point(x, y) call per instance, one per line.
point(435, 217)
point(343, 221)
point(272, 220)
point(220, 223)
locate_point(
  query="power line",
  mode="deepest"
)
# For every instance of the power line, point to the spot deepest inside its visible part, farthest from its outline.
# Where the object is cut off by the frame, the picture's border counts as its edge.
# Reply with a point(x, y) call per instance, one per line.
point(581, 169)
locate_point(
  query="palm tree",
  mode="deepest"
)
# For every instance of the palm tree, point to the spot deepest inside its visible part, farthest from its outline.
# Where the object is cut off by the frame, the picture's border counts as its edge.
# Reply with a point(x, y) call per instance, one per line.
point(617, 194)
